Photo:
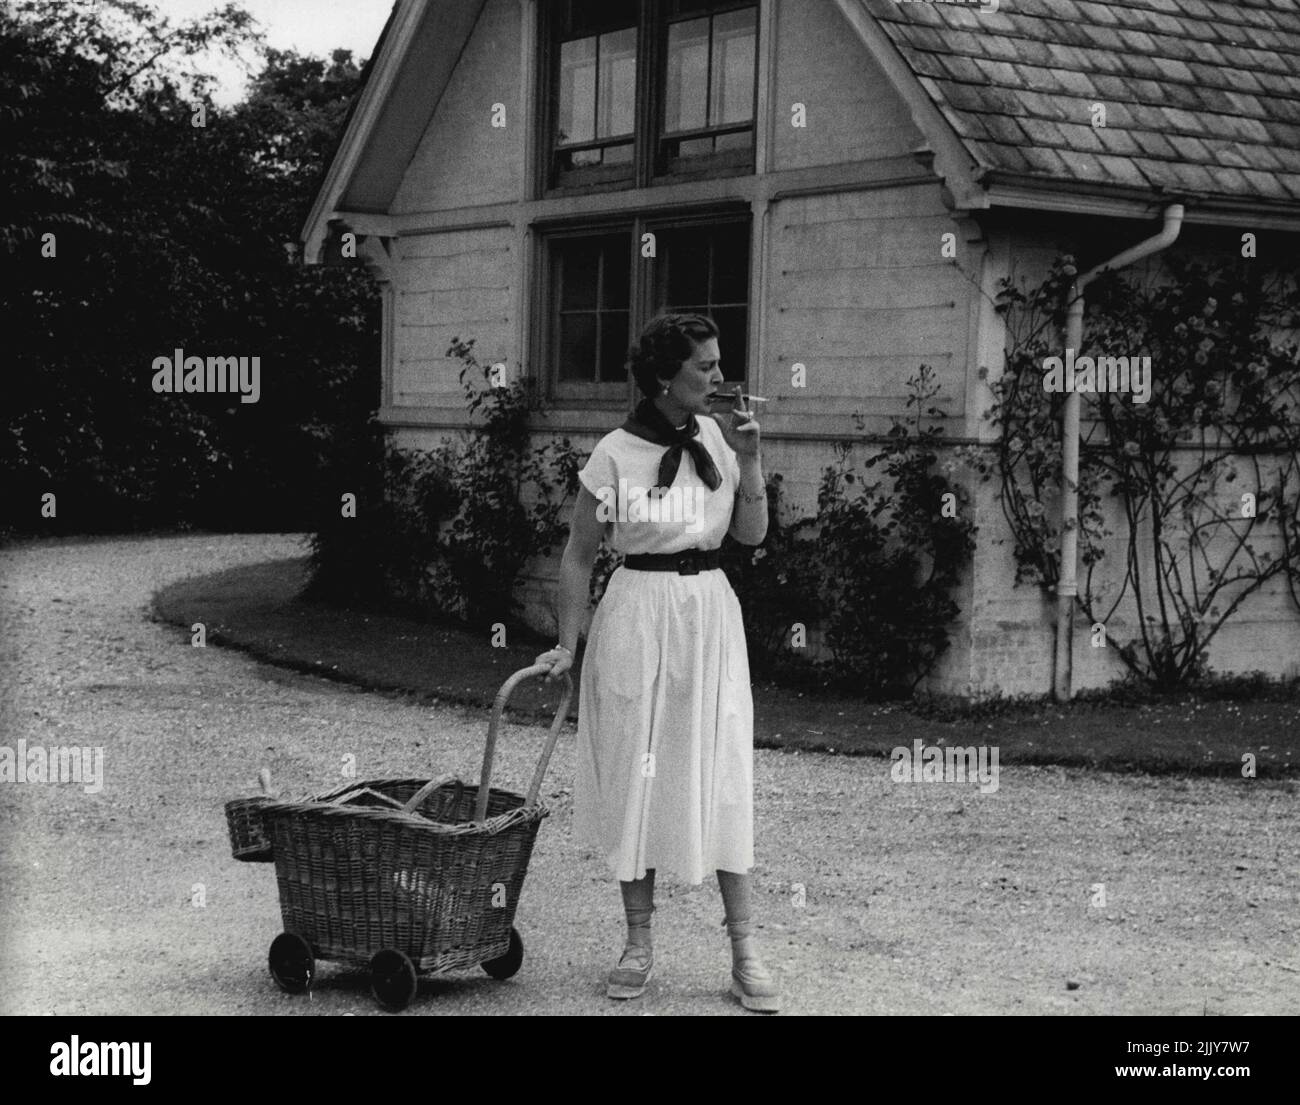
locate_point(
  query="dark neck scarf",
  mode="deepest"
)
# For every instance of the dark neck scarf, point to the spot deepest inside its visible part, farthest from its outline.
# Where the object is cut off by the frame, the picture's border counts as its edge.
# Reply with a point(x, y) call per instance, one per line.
point(648, 423)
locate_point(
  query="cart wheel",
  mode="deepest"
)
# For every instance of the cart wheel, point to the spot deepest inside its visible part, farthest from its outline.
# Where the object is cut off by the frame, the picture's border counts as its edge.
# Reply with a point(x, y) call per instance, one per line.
point(505, 966)
point(292, 964)
point(393, 980)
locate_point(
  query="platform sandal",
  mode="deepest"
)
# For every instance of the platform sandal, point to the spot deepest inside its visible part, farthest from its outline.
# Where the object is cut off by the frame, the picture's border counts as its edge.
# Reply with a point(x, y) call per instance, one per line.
point(635, 966)
point(750, 980)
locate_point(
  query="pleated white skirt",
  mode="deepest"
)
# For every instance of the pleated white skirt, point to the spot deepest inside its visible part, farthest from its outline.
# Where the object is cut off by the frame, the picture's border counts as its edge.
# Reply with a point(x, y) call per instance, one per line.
point(666, 728)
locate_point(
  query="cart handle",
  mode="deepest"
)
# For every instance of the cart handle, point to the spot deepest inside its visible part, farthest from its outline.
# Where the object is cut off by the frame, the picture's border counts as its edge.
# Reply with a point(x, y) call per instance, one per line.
point(413, 803)
point(503, 696)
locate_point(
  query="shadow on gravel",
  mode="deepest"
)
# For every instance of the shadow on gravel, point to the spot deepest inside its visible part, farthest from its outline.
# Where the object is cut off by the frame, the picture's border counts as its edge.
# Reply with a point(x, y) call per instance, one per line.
point(258, 609)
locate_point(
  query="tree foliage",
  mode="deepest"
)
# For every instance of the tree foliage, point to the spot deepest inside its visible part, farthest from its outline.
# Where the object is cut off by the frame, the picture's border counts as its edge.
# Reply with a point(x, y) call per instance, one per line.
point(169, 235)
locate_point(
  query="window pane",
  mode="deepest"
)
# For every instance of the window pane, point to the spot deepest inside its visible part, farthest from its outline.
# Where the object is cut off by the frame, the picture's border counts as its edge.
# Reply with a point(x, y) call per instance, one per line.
point(686, 92)
point(613, 347)
point(577, 351)
point(689, 255)
point(578, 271)
point(733, 332)
point(732, 95)
point(740, 140)
point(691, 147)
point(577, 91)
point(686, 261)
point(619, 155)
point(731, 264)
point(616, 290)
point(590, 297)
point(617, 84)
point(579, 159)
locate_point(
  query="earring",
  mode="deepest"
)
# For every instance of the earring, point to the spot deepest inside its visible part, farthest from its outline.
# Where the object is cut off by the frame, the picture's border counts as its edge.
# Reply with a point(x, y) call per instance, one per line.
point(665, 390)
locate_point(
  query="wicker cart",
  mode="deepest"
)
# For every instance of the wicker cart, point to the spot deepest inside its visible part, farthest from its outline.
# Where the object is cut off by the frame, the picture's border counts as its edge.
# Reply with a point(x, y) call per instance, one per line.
point(422, 878)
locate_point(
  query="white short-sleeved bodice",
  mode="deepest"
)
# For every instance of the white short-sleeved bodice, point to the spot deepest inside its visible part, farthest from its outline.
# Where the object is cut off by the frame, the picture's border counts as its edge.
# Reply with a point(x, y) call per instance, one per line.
point(622, 472)
point(665, 716)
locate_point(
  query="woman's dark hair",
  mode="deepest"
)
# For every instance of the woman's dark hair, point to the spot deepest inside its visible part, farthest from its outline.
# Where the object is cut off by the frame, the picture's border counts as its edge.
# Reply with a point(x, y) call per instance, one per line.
point(665, 343)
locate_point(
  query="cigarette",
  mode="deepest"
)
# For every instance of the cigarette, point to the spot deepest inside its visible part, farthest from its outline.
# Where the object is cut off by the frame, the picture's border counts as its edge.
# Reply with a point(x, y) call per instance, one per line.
point(755, 399)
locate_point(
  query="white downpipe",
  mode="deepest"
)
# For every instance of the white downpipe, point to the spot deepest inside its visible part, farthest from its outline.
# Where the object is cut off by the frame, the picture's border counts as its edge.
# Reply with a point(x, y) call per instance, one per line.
point(1067, 584)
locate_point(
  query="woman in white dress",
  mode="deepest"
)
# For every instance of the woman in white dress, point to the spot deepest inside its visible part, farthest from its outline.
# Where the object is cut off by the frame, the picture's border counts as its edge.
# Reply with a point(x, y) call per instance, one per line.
point(665, 714)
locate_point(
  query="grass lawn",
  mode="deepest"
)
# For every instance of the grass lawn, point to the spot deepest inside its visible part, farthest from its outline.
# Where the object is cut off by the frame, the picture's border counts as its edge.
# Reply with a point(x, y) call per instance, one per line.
point(258, 609)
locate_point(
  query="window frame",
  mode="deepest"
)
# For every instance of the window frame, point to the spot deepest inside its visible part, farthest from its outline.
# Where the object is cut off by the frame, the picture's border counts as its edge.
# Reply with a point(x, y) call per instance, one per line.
point(641, 292)
point(647, 167)
point(593, 393)
point(727, 162)
point(711, 218)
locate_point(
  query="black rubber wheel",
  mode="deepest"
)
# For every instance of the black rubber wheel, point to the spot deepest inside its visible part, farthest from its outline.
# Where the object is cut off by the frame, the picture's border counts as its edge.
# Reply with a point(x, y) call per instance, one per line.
point(505, 966)
point(393, 980)
point(291, 962)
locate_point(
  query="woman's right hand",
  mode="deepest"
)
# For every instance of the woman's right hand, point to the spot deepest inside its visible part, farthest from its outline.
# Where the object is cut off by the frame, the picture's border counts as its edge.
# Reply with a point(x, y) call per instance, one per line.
point(559, 660)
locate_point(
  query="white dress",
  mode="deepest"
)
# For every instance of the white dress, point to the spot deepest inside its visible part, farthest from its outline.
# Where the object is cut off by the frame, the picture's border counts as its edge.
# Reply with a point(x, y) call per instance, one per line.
point(664, 774)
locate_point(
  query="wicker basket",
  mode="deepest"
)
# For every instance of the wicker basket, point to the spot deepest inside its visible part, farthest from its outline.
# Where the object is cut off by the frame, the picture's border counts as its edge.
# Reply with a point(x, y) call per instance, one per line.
point(248, 839)
point(438, 879)
point(432, 883)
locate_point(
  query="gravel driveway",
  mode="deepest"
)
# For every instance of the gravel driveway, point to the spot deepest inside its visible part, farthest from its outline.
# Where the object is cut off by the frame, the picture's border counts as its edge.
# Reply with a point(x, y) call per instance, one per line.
point(917, 898)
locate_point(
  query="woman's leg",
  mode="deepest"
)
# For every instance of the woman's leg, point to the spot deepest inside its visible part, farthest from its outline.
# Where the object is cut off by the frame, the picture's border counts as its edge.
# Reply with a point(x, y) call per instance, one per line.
point(638, 904)
point(735, 889)
point(750, 980)
point(629, 978)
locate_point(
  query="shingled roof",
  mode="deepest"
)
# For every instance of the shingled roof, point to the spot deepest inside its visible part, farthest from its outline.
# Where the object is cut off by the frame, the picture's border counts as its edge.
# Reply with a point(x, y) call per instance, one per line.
point(1202, 97)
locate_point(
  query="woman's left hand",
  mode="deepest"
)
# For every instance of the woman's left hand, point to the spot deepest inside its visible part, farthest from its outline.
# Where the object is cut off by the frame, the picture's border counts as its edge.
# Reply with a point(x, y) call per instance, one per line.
point(739, 428)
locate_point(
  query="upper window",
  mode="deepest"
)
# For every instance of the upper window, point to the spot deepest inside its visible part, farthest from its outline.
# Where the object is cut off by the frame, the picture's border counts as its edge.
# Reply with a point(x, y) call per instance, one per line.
point(644, 89)
point(595, 119)
point(708, 88)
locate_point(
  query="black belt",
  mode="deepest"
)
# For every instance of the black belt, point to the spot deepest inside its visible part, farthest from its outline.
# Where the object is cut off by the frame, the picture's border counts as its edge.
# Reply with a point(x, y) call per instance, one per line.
point(687, 563)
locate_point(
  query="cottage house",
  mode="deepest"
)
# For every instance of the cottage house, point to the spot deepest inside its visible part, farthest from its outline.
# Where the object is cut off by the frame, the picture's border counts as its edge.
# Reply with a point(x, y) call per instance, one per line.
point(841, 184)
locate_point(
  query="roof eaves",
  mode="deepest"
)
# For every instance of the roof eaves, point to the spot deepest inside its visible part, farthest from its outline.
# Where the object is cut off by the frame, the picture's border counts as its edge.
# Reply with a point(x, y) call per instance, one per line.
point(403, 21)
point(1034, 191)
point(362, 83)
